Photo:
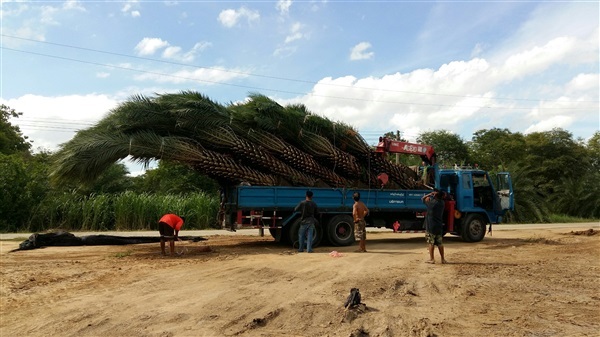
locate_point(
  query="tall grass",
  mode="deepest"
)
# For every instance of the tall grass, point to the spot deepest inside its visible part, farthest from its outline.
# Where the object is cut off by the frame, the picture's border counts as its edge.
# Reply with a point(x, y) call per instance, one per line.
point(141, 211)
point(127, 211)
point(562, 218)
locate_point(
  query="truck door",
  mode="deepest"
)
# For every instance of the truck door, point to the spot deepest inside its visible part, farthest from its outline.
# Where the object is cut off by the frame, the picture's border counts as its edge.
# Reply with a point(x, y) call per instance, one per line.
point(465, 192)
point(483, 192)
point(505, 191)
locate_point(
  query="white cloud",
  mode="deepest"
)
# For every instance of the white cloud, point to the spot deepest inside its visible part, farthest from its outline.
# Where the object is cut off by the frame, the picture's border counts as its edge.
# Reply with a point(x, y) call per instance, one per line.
point(550, 123)
point(551, 21)
point(148, 46)
point(537, 59)
point(477, 50)
point(585, 83)
point(176, 54)
point(359, 52)
point(15, 10)
point(295, 33)
point(102, 75)
point(128, 8)
point(230, 17)
point(285, 51)
point(283, 6)
point(74, 4)
point(33, 20)
point(463, 96)
point(50, 121)
point(47, 15)
point(206, 76)
point(171, 51)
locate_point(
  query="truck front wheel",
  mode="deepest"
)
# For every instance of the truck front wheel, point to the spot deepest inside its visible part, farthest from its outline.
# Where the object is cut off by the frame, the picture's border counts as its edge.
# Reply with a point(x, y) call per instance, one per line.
point(340, 230)
point(473, 228)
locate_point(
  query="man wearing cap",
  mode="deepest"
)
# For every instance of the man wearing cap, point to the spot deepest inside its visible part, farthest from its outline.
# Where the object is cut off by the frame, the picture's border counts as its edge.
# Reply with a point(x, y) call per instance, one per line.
point(434, 222)
point(168, 227)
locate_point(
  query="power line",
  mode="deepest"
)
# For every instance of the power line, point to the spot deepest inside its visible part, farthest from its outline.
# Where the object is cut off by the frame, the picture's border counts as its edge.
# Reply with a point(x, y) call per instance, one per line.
point(251, 74)
point(53, 121)
point(285, 91)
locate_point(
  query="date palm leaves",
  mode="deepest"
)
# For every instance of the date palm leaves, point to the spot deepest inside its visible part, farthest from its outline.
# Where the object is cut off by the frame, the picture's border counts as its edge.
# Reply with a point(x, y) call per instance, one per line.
point(257, 141)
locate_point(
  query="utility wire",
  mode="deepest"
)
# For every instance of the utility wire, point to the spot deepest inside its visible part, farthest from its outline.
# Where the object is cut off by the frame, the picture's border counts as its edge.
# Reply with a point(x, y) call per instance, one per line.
point(285, 91)
point(266, 76)
point(247, 74)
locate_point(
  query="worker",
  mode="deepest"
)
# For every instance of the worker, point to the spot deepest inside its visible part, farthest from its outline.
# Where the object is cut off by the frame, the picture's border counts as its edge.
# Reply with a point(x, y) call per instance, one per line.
point(434, 222)
point(168, 227)
point(359, 212)
point(308, 219)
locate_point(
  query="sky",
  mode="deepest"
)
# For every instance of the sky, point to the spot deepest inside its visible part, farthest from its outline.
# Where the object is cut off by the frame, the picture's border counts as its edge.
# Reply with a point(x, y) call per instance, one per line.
point(379, 66)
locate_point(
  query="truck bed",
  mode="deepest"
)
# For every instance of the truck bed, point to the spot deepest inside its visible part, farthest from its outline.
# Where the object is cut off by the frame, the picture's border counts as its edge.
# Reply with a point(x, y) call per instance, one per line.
point(286, 198)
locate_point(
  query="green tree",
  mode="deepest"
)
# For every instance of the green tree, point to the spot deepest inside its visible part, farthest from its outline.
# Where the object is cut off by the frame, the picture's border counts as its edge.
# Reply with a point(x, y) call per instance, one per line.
point(450, 148)
point(115, 179)
point(553, 156)
point(174, 178)
point(530, 203)
point(11, 138)
point(495, 147)
point(593, 147)
point(24, 184)
point(578, 197)
point(578, 194)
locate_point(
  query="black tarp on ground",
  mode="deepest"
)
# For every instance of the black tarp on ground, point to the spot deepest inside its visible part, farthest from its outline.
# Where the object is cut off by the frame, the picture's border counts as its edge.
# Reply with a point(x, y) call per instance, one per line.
point(62, 238)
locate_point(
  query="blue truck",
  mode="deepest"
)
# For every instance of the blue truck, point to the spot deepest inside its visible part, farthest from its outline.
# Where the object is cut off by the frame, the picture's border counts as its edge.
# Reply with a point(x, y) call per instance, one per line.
point(475, 200)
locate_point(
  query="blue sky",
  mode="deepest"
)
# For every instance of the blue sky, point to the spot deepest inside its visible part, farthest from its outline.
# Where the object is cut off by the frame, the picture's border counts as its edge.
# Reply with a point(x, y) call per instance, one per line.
point(379, 66)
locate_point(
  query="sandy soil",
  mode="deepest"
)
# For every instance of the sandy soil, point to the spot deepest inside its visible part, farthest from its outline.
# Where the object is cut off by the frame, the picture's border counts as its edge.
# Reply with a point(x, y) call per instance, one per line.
point(515, 283)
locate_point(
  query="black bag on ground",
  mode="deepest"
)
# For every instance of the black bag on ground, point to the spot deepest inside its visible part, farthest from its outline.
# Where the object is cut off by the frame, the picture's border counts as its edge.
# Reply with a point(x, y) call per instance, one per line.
point(353, 299)
point(59, 238)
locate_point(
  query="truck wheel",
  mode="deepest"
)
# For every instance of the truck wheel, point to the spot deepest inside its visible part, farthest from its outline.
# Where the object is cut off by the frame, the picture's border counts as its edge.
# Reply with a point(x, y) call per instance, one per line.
point(473, 228)
point(293, 234)
point(340, 230)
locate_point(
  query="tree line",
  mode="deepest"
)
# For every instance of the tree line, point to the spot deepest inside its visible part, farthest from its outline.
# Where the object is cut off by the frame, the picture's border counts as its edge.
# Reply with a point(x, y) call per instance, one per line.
point(554, 176)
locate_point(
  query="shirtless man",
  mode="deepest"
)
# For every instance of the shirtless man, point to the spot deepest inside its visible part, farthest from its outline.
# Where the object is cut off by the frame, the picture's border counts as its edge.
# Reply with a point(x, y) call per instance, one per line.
point(359, 212)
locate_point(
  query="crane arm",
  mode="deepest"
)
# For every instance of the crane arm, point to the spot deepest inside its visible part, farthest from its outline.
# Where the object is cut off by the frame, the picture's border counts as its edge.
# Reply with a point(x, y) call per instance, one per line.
point(387, 145)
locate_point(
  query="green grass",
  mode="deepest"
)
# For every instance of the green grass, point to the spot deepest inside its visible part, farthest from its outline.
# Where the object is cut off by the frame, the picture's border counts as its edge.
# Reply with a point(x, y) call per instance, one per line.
point(126, 211)
point(561, 218)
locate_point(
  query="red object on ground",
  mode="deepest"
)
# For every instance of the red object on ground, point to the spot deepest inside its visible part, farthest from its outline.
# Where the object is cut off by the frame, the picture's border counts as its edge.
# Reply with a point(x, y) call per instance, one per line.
point(396, 226)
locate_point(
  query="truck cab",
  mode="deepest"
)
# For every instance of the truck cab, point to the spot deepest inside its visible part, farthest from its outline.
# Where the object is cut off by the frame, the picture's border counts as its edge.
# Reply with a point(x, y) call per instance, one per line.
point(479, 199)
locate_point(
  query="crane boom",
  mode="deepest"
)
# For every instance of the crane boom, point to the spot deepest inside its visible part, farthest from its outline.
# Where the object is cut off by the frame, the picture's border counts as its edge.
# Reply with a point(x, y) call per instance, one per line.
point(387, 145)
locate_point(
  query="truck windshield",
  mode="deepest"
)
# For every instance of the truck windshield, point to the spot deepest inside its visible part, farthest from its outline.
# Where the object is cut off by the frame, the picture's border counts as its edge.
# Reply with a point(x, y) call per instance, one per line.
point(480, 180)
point(503, 182)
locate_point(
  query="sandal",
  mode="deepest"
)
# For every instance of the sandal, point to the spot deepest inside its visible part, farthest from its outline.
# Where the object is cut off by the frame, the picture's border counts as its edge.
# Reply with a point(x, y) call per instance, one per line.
point(430, 261)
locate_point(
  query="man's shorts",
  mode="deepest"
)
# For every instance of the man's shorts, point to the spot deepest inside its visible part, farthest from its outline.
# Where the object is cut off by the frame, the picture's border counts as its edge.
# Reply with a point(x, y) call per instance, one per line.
point(433, 239)
point(360, 232)
point(165, 230)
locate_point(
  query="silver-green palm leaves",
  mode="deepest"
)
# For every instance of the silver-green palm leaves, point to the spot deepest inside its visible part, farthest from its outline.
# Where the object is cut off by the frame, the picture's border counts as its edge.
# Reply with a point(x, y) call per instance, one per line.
point(258, 141)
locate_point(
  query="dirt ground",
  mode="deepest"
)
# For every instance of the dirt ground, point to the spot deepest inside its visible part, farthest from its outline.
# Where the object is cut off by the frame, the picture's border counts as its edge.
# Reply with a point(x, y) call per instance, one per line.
point(525, 282)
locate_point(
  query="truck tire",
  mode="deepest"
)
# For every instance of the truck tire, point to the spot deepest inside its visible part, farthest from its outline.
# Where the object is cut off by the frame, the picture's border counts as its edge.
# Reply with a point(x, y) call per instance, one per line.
point(340, 230)
point(473, 228)
point(293, 234)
